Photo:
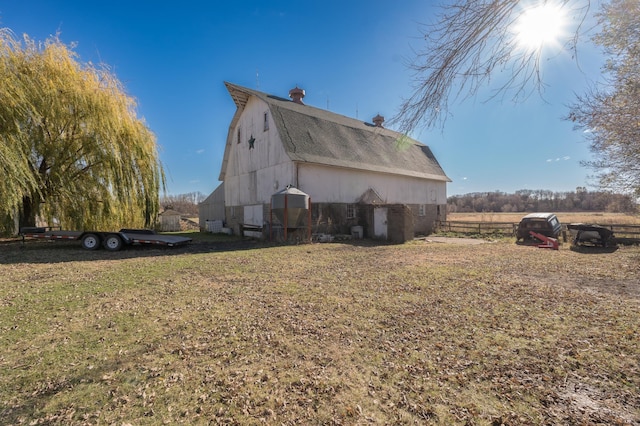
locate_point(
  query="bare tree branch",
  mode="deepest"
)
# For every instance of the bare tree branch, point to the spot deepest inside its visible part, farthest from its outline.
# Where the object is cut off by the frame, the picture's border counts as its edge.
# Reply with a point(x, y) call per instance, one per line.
point(471, 42)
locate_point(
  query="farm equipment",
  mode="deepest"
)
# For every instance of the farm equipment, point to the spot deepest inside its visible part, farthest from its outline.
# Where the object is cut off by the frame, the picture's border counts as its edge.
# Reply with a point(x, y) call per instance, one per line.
point(591, 235)
point(112, 241)
point(547, 242)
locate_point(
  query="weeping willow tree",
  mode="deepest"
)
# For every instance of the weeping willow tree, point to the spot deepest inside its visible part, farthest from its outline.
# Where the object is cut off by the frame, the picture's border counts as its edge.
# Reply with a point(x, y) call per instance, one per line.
point(71, 145)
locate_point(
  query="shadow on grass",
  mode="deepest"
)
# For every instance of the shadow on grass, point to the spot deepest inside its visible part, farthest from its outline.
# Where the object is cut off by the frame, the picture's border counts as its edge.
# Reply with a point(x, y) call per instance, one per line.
point(51, 251)
point(593, 249)
point(71, 251)
point(33, 400)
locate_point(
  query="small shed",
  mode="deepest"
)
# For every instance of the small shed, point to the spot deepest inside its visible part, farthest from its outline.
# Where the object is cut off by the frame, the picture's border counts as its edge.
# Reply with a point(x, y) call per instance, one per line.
point(170, 221)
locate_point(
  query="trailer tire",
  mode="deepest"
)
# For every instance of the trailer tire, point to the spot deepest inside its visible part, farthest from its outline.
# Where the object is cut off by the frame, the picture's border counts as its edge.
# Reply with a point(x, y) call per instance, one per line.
point(90, 242)
point(113, 242)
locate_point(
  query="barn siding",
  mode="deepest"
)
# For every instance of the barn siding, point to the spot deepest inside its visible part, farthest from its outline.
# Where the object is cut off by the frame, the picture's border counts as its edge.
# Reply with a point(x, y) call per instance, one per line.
point(334, 184)
point(212, 208)
point(254, 174)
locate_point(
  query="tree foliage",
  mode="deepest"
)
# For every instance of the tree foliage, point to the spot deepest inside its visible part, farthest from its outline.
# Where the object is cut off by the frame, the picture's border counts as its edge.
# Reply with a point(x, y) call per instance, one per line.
point(471, 43)
point(71, 145)
point(609, 114)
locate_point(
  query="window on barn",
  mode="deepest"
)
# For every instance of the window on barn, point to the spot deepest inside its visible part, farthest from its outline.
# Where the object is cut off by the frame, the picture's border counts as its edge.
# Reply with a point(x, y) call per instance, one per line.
point(266, 121)
point(238, 135)
point(351, 211)
point(422, 210)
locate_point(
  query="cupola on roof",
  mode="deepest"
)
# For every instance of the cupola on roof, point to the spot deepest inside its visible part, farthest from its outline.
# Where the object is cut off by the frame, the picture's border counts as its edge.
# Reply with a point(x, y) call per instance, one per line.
point(296, 94)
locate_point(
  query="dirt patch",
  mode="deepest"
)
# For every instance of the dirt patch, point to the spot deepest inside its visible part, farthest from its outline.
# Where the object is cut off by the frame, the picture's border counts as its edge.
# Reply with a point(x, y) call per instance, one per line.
point(591, 405)
point(626, 288)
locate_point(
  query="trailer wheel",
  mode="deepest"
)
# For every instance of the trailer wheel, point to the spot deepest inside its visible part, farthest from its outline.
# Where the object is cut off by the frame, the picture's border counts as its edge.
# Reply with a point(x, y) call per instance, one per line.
point(90, 242)
point(113, 242)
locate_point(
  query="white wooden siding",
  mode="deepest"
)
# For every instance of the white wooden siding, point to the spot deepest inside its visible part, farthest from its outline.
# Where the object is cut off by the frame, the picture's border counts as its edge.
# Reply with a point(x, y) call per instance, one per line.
point(213, 207)
point(253, 175)
point(268, 181)
point(337, 185)
point(253, 215)
point(267, 149)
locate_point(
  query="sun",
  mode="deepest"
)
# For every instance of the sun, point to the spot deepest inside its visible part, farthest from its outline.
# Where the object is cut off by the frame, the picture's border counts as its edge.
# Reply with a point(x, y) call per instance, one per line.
point(540, 25)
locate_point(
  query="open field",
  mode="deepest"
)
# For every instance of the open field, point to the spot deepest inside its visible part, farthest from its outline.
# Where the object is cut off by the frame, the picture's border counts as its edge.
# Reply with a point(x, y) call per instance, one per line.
point(345, 334)
point(600, 218)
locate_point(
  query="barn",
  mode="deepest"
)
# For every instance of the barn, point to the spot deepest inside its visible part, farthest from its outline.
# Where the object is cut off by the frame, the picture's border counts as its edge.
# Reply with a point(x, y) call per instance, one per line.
point(357, 173)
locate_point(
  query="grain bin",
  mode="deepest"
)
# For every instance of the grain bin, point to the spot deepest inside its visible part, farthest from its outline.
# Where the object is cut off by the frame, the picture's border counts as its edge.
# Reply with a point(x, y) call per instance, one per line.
point(291, 207)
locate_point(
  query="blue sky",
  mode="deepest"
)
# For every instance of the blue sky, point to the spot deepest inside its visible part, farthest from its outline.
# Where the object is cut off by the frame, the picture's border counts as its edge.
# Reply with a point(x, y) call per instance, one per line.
point(350, 57)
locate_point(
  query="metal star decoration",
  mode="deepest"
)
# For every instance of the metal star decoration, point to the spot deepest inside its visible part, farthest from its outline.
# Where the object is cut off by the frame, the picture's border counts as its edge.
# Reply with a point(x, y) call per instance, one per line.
point(251, 142)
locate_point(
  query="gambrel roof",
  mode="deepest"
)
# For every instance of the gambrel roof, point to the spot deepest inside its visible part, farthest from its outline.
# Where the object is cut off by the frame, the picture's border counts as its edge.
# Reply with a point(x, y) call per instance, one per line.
point(314, 135)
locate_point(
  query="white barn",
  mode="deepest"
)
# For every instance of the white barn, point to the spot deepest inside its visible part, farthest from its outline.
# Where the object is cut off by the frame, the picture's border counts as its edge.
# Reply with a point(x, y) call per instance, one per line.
point(356, 173)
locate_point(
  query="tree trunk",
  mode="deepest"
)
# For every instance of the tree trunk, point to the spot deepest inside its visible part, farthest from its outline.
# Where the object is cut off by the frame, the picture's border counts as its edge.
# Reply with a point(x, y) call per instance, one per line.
point(28, 212)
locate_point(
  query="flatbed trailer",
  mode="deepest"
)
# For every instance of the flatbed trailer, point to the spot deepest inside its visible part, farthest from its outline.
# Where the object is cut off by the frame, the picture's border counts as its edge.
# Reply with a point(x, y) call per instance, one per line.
point(112, 241)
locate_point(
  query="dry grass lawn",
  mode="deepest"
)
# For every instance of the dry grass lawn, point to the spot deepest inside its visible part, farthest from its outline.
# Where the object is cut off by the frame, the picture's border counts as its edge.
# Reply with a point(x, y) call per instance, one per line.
point(344, 334)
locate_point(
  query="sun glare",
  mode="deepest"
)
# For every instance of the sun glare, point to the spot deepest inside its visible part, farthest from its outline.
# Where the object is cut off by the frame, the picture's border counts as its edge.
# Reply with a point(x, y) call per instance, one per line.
point(539, 26)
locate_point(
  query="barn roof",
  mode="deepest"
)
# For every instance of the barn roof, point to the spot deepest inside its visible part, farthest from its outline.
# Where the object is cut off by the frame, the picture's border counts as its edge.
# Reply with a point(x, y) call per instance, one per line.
point(217, 194)
point(314, 135)
point(169, 212)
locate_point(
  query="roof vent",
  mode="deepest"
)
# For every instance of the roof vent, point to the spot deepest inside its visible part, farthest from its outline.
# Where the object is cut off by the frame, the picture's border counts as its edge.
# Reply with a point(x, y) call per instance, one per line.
point(296, 94)
point(378, 120)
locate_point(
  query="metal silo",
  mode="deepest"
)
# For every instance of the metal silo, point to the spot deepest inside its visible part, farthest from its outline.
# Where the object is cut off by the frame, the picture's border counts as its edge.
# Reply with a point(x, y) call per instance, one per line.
point(291, 207)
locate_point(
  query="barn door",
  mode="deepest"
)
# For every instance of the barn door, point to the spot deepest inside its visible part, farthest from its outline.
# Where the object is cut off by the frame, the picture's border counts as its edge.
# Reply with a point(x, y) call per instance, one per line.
point(380, 222)
point(253, 215)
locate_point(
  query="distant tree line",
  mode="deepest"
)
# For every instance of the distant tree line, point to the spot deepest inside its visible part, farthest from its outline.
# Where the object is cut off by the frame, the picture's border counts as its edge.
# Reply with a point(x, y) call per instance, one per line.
point(187, 204)
point(527, 200)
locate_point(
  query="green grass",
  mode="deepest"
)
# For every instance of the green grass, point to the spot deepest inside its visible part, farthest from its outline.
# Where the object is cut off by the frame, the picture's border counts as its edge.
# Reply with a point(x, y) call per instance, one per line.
point(417, 333)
